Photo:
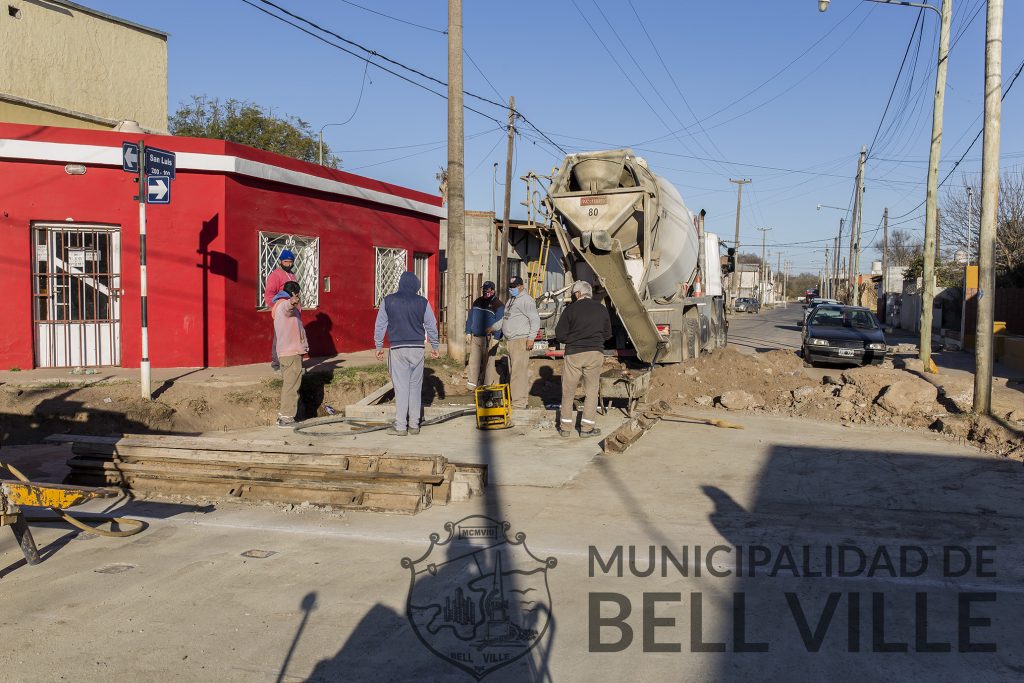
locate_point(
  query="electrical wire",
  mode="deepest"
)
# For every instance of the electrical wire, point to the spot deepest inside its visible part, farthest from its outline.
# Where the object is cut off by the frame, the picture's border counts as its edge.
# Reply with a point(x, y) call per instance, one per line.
point(398, 19)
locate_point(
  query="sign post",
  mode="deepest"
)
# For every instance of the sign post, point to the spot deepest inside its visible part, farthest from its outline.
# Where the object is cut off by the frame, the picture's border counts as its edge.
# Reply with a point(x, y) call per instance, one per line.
point(155, 169)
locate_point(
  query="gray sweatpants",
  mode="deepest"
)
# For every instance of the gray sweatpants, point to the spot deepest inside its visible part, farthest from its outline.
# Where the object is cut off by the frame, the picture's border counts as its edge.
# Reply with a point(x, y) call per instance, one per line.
point(406, 369)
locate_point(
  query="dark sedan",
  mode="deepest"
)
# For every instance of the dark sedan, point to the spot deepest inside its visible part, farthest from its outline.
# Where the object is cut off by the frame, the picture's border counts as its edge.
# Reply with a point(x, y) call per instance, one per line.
point(843, 334)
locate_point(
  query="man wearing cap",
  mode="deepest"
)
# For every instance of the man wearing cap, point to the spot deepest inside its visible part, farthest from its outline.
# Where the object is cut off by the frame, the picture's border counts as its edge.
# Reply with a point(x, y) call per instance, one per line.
point(519, 327)
point(273, 286)
point(484, 323)
point(582, 329)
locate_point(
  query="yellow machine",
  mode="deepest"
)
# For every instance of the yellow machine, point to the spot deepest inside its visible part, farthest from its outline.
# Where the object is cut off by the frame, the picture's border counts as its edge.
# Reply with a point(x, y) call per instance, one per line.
point(493, 407)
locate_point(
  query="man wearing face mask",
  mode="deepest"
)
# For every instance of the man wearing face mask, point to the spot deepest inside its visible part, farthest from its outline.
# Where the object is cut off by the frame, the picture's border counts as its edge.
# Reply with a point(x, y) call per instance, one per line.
point(484, 324)
point(583, 328)
point(273, 286)
point(519, 327)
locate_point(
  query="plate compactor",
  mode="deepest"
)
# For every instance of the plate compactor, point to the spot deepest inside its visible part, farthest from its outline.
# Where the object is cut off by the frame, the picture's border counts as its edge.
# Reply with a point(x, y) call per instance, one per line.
point(493, 406)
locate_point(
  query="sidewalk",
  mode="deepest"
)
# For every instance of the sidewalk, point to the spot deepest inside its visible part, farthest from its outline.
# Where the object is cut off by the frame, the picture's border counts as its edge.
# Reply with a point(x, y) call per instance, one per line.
point(237, 375)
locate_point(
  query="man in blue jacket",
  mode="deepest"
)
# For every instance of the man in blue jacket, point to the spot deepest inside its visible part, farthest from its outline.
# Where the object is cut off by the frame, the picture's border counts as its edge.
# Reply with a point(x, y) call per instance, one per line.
point(484, 323)
point(407, 318)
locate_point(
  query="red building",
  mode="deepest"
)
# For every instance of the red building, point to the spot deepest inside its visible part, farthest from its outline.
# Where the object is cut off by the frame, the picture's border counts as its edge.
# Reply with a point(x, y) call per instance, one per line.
point(70, 250)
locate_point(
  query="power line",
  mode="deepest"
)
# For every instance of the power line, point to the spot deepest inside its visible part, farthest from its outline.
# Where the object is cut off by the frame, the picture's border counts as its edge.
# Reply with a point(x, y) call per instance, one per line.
point(903, 62)
point(970, 146)
point(398, 19)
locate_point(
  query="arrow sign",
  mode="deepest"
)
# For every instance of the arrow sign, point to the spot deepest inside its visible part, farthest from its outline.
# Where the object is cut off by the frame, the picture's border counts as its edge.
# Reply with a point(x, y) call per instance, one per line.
point(158, 189)
point(160, 162)
point(130, 157)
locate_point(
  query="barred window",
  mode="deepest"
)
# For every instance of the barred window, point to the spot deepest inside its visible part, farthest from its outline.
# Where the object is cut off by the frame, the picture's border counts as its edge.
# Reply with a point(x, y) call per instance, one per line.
point(389, 264)
point(306, 269)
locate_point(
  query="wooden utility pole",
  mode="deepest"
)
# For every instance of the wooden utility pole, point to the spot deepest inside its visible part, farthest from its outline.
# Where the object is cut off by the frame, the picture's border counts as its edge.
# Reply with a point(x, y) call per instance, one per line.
point(736, 244)
point(763, 269)
point(455, 288)
point(932, 196)
point(825, 272)
point(838, 245)
point(989, 208)
point(855, 230)
point(885, 251)
point(503, 266)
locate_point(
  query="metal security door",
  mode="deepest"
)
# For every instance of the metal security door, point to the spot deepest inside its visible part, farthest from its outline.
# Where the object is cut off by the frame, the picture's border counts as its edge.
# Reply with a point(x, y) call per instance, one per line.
point(76, 282)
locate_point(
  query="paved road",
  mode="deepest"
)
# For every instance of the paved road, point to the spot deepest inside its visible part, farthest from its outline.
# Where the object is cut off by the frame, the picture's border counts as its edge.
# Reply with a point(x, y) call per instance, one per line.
point(770, 329)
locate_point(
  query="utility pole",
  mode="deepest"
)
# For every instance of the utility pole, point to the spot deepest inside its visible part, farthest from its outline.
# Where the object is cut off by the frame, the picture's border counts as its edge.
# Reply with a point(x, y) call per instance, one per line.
point(931, 198)
point(989, 208)
point(970, 222)
point(503, 266)
point(834, 293)
point(885, 252)
point(455, 299)
point(736, 245)
point(764, 233)
point(825, 272)
point(855, 230)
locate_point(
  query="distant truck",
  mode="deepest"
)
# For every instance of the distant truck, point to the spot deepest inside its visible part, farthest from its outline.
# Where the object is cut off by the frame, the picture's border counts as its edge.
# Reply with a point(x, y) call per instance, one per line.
point(810, 294)
point(627, 232)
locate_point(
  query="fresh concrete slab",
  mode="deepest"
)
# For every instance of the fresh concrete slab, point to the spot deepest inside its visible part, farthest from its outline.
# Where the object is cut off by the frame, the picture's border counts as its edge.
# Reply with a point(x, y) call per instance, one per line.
point(181, 602)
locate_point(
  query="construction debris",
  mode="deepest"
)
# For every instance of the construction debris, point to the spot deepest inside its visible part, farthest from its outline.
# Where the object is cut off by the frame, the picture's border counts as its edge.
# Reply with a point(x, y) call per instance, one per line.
point(356, 478)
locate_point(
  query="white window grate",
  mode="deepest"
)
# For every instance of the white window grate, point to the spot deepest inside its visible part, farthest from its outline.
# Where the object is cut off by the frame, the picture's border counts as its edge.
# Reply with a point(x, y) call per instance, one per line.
point(389, 264)
point(306, 269)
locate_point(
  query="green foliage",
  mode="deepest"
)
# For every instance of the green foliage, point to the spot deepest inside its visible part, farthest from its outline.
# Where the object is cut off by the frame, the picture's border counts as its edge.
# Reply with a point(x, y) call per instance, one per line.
point(947, 273)
point(248, 124)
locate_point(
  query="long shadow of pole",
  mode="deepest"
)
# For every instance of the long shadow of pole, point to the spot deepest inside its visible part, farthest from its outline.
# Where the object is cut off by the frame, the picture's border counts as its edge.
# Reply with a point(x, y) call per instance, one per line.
point(308, 604)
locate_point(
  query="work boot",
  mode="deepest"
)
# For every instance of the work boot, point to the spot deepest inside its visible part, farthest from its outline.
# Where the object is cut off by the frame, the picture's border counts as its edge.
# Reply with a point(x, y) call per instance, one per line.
point(398, 432)
point(285, 422)
point(564, 433)
point(414, 431)
point(593, 432)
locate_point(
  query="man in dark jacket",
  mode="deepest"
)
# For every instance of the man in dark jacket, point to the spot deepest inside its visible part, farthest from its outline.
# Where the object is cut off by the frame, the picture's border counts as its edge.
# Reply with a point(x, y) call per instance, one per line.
point(484, 323)
point(407, 318)
point(582, 330)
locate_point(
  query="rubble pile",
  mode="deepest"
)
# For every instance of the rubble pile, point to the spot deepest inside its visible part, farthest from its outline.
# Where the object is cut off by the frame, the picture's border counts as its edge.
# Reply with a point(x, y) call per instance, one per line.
point(776, 382)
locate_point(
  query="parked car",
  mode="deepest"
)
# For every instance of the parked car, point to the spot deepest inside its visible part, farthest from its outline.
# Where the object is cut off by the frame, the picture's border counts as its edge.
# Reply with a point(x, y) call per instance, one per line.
point(746, 305)
point(843, 334)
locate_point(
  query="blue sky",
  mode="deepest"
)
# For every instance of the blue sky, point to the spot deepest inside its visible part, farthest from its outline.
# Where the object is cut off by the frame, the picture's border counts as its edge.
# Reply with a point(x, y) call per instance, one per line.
point(784, 95)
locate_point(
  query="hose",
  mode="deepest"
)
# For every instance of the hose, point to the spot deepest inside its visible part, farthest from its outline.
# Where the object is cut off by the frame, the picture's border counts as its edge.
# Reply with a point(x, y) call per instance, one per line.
point(370, 426)
point(137, 524)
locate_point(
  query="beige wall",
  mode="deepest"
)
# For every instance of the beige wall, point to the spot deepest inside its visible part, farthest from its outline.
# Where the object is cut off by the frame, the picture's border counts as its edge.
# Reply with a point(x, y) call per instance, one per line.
point(61, 56)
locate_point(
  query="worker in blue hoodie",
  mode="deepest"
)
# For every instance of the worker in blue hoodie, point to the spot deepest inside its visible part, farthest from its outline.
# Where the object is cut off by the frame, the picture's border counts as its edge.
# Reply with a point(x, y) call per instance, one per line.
point(407, 319)
point(484, 324)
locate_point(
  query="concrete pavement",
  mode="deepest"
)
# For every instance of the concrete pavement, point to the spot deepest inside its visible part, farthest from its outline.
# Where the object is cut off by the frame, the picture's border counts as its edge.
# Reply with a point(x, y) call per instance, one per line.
point(180, 602)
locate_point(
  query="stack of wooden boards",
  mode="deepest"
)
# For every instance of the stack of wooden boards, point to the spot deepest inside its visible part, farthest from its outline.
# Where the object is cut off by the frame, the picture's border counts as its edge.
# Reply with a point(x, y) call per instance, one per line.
point(359, 478)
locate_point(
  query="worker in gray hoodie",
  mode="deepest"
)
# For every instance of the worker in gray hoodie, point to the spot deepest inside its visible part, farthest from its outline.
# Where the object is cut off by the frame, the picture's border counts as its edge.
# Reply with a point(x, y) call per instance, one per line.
point(408, 319)
point(519, 328)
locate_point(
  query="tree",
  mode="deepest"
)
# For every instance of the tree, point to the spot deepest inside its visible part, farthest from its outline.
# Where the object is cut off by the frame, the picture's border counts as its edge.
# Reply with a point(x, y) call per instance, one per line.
point(747, 258)
point(798, 284)
point(959, 223)
point(903, 248)
point(246, 123)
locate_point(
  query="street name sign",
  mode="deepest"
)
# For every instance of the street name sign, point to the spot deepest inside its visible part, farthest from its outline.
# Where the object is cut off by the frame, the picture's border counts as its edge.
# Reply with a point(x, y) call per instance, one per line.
point(160, 162)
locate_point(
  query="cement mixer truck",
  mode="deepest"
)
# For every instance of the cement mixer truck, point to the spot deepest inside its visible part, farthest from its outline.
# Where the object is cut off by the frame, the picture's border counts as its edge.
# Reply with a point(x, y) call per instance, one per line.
point(627, 232)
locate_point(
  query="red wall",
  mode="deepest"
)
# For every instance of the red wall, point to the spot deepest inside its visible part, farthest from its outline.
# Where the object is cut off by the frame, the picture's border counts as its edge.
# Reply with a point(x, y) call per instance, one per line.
point(348, 232)
point(202, 249)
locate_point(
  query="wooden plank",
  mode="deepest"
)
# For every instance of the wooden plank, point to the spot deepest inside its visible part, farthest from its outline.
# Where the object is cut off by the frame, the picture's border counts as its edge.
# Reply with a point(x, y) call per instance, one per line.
point(281, 474)
point(400, 503)
point(377, 396)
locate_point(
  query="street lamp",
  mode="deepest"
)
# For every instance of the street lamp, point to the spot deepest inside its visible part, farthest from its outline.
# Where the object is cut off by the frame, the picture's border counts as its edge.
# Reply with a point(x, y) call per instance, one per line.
point(931, 198)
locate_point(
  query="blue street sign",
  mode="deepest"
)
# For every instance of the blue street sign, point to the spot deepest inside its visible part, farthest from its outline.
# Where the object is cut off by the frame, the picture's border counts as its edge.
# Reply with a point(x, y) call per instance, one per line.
point(158, 189)
point(159, 162)
point(130, 157)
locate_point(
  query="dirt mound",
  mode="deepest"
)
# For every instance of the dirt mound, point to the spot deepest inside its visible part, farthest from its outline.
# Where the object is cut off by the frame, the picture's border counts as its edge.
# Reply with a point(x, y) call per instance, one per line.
point(775, 382)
